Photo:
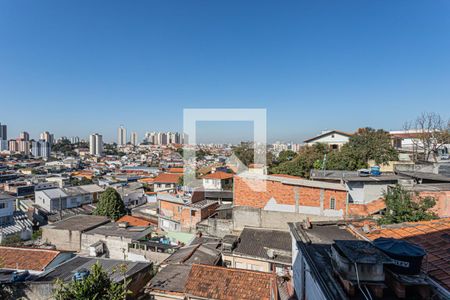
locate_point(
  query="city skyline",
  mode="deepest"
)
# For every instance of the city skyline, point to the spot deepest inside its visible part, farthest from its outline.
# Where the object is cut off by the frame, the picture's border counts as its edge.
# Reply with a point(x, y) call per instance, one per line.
point(311, 66)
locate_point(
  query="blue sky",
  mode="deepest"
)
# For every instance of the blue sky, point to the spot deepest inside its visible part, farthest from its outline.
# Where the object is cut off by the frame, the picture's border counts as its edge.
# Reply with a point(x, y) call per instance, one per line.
point(77, 67)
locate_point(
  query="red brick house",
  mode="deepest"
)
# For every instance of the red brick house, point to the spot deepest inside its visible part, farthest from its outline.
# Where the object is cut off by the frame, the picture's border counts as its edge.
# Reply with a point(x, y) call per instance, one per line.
point(296, 195)
point(182, 213)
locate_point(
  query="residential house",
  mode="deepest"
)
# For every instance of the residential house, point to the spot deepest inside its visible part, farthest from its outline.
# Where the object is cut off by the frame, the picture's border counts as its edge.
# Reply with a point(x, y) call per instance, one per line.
point(132, 194)
point(272, 200)
point(137, 274)
point(66, 234)
point(259, 250)
point(69, 197)
point(166, 182)
point(202, 250)
point(211, 282)
point(113, 240)
point(218, 181)
point(182, 212)
point(335, 139)
point(33, 260)
point(12, 221)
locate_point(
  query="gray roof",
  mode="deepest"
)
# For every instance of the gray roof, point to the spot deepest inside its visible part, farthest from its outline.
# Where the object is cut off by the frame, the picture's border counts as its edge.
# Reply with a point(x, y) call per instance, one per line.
point(20, 223)
point(54, 193)
point(113, 229)
point(430, 187)
point(79, 223)
point(5, 196)
point(427, 176)
point(74, 191)
point(351, 176)
point(172, 278)
point(255, 243)
point(92, 188)
point(203, 204)
point(66, 270)
point(202, 250)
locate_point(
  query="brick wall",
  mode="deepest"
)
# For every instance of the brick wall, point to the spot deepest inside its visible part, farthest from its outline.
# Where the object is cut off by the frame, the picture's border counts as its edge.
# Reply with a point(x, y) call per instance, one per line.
point(244, 195)
point(188, 218)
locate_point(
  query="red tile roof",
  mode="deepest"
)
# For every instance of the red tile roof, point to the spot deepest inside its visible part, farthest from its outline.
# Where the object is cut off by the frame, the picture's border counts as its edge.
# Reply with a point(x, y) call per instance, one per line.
point(167, 178)
point(26, 258)
point(218, 175)
point(220, 283)
point(366, 209)
point(134, 221)
point(433, 236)
point(175, 170)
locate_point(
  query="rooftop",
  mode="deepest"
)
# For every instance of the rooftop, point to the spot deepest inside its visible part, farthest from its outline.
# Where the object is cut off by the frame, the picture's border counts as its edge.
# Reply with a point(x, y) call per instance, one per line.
point(255, 243)
point(218, 175)
point(113, 229)
point(66, 270)
point(80, 223)
point(167, 178)
point(433, 236)
point(172, 278)
point(31, 259)
point(328, 133)
point(134, 221)
point(214, 282)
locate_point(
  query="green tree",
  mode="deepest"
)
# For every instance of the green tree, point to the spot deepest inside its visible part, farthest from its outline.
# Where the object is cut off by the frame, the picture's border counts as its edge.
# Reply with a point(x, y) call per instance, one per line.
point(401, 207)
point(110, 204)
point(97, 285)
point(307, 158)
point(286, 155)
point(369, 144)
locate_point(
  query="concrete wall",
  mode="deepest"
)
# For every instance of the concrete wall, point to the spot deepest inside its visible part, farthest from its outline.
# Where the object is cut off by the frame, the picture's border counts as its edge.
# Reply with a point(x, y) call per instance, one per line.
point(216, 227)
point(63, 239)
point(255, 217)
point(247, 264)
point(114, 246)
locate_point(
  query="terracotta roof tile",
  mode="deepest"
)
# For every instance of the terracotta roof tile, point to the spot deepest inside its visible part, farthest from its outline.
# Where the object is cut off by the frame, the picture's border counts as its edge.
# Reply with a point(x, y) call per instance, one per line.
point(218, 175)
point(26, 258)
point(134, 221)
point(228, 284)
point(175, 170)
point(433, 236)
point(167, 178)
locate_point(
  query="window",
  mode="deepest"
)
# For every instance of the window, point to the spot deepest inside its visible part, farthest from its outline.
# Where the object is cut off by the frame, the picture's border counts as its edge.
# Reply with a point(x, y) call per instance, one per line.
point(332, 203)
point(2, 205)
point(193, 213)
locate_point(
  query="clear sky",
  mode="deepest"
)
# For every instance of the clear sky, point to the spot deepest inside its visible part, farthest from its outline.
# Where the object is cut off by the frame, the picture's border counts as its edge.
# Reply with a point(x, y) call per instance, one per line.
point(77, 67)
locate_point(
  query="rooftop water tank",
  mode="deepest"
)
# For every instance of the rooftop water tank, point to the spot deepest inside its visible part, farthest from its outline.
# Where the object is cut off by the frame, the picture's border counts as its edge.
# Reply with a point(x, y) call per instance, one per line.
point(407, 257)
point(375, 171)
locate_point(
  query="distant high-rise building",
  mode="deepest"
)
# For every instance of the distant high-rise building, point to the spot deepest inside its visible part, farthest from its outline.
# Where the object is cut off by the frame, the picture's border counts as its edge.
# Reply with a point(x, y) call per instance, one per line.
point(121, 136)
point(74, 140)
point(96, 144)
point(23, 147)
point(134, 138)
point(40, 148)
point(150, 137)
point(24, 136)
point(13, 146)
point(3, 132)
point(48, 137)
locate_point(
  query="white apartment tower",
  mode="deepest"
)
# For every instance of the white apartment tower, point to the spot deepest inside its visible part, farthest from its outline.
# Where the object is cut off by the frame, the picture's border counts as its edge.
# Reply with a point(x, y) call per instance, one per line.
point(96, 144)
point(121, 136)
point(134, 138)
point(47, 136)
